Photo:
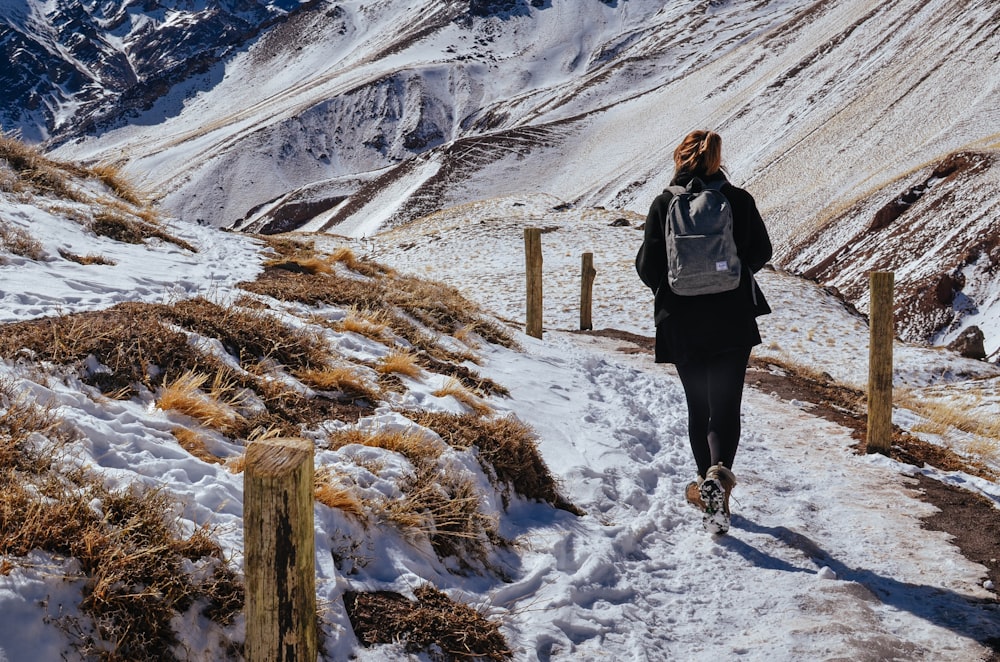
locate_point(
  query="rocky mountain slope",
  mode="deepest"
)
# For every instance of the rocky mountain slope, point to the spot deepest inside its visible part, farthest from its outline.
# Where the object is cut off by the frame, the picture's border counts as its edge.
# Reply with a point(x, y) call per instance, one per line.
point(938, 230)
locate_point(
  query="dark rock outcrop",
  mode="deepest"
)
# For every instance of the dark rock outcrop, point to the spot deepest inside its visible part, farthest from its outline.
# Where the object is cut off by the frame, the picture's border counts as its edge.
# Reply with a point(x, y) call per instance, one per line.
point(970, 343)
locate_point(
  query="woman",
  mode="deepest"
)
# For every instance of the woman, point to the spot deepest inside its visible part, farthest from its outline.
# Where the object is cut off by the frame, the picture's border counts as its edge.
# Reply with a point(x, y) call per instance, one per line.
point(708, 336)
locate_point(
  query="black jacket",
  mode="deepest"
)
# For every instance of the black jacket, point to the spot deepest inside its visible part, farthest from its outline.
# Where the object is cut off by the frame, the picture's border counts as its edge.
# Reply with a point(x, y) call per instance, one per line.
point(693, 327)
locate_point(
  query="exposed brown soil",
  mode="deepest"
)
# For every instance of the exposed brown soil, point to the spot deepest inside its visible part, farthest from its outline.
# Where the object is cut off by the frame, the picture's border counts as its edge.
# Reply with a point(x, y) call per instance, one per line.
point(433, 622)
point(930, 203)
point(971, 519)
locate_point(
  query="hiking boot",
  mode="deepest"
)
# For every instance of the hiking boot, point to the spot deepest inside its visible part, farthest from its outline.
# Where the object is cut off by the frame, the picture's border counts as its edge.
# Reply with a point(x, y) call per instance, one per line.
point(727, 479)
point(693, 494)
point(714, 491)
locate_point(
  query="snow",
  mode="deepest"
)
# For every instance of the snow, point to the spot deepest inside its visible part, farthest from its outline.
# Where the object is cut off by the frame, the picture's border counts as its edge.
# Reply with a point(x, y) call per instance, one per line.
point(826, 558)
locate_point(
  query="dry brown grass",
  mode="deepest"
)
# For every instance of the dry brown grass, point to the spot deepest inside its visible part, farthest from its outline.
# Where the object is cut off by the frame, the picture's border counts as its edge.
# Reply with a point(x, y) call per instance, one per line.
point(90, 258)
point(236, 464)
point(437, 307)
point(184, 394)
point(18, 241)
point(250, 335)
point(455, 389)
point(444, 309)
point(346, 256)
point(465, 334)
point(345, 379)
point(370, 325)
point(399, 362)
point(194, 442)
point(112, 177)
point(437, 503)
point(131, 553)
point(21, 418)
point(958, 422)
point(414, 445)
point(508, 453)
point(131, 229)
point(433, 624)
point(290, 246)
point(333, 495)
point(143, 346)
point(311, 265)
point(284, 284)
point(36, 173)
point(129, 339)
point(442, 505)
point(364, 267)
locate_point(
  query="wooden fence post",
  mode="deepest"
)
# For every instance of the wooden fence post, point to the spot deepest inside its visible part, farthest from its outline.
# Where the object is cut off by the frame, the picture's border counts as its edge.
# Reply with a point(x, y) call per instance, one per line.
point(533, 263)
point(587, 292)
point(881, 328)
point(279, 551)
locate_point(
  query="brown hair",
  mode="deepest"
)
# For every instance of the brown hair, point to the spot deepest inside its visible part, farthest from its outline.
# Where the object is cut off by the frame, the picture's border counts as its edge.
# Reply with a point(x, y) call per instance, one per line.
point(700, 153)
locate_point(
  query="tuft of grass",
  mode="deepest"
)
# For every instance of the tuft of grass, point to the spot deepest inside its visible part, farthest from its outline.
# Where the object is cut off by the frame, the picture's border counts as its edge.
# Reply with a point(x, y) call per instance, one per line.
point(346, 256)
point(443, 308)
point(337, 496)
point(316, 289)
point(131, 229)
point(90, 258)
point(347, 380)
point(369, 325)
point(433, 624)
point(443, 505)
point(306, 264)
point(236, 464)
point(21, 418)
point(290, 246)
point(957, 423)
point(508, 453)
point(399, 363)
point(438, 502)
point(112, 177)
point(415, 445)
point(437, 307)
point(250, 335)
point(364, 267)
point(142, 345)
point(19, 242)
point(184, 394)
point(194, 443)
point(37, 173)
point(129, 339)
point(455, 389)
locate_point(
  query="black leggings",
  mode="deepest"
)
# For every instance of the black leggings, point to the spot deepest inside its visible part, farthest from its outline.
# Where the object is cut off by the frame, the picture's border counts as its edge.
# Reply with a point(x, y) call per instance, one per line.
point(714, 391)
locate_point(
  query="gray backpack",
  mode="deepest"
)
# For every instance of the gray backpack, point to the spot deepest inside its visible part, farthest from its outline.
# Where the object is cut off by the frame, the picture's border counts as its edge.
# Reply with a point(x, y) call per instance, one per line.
point(701, 251)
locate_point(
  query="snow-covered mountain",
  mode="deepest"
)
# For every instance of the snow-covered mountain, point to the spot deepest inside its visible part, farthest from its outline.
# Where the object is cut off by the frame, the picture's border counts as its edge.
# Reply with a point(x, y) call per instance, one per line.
point(74, 67)
point(351, 117)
